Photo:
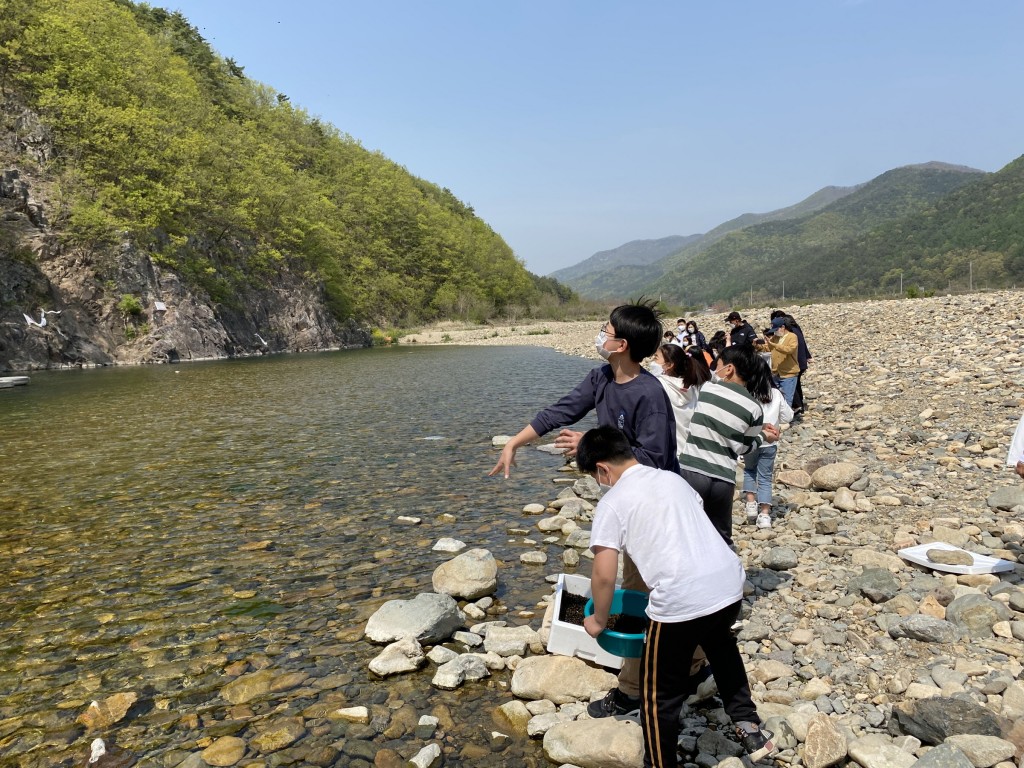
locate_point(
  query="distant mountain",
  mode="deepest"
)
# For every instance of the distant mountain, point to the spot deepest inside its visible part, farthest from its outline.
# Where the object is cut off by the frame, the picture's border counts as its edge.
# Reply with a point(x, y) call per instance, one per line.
point(626, 269)
point(633, 253)
point(820, 252)
point(972, 237)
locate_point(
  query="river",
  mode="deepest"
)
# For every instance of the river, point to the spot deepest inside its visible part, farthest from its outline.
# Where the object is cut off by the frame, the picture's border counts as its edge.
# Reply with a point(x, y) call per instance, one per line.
point(165, 527)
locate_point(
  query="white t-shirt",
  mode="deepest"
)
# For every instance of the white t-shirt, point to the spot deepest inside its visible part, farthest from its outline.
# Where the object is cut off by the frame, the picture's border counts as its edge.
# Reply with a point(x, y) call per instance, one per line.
point(1016, 445)
point(659, 521)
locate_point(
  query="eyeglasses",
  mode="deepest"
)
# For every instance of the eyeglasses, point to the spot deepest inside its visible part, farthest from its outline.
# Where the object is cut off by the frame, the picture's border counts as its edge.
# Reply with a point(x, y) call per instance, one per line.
point(604, 330)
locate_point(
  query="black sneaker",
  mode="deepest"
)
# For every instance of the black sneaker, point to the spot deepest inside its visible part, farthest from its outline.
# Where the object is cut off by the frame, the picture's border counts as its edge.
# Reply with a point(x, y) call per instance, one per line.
point(700, 685)
point(615, 704)
point(755, 740)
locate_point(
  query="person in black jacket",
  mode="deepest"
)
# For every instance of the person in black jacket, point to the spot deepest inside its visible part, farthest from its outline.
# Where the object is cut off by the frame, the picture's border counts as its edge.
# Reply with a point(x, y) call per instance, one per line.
point(741, 332)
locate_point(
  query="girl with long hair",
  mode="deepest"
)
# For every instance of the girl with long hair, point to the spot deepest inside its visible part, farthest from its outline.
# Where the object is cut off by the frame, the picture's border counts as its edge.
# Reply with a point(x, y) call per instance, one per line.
point(728, 422)
point(681, 373)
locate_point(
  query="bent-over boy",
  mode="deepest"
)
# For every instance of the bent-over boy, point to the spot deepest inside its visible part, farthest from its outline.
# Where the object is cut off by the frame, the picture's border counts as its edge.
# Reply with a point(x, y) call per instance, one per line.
point(696, 587)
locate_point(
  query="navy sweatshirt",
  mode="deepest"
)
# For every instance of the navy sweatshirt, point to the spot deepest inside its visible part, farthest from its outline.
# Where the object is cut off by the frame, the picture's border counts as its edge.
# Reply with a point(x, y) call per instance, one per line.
point(640, 408)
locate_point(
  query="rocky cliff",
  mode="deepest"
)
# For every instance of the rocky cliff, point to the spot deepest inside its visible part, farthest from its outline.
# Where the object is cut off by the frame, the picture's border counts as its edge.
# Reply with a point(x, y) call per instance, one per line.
point(64, 306)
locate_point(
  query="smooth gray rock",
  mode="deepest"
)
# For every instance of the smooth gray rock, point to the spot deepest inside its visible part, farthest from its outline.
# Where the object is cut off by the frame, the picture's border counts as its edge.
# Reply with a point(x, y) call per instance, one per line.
point(975, 614)
point(561, 679)
point(874, 751)
point(471, 575)
point(927, 629)
point(780, 559)
point(603, 743)
point(510, 641)
point(876, 584)
point(983, 751)
point(428, 617)
point(936, 719)
point(831, 477)
point(945, 755)
point(404, 655)
point(1007, 498)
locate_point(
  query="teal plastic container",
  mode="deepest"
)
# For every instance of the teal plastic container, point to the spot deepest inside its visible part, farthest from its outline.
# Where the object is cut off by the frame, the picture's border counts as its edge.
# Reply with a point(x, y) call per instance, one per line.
point(628, 602)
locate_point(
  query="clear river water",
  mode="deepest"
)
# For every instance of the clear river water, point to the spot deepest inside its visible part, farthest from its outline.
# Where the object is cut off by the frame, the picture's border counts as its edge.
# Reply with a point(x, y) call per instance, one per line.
point(164, 529)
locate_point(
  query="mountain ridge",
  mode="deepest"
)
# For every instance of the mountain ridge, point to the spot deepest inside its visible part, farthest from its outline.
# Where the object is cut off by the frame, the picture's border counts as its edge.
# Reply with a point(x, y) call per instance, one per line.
point(830, 213)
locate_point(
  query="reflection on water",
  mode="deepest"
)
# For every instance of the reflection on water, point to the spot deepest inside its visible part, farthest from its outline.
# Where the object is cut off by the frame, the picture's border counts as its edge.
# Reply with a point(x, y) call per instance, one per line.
point(167, 528)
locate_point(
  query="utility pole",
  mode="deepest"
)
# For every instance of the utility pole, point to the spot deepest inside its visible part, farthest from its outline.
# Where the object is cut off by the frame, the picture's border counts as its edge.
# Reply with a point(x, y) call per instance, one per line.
point(751, 295)
point(783, 290)
point(901, 282)
point(970, 275)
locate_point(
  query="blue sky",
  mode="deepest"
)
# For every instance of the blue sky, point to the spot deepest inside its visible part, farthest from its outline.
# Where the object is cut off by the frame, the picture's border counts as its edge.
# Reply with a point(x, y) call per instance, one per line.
point(575, 126)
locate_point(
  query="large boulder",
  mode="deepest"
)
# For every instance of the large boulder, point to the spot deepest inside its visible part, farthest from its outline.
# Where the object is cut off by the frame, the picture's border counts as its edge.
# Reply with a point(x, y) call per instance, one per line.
point(1007, 498)
point(934, 720)
point(428, 617)
point(559, 678)
point(975, 614)
point(603, 743)
point(832, 477)
point(471, 575)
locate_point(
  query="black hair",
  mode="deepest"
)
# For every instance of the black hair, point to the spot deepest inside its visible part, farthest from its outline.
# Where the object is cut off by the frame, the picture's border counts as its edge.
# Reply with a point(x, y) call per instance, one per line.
point(696, 370)
point(777, 313)
point(675, 357)
point(693, 323)
point(602, 444)
point(752, 368)
point(639, 324)
point(717, 343)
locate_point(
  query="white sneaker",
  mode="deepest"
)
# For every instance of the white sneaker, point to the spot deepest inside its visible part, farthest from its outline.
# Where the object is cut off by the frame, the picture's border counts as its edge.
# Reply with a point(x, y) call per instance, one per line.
point(751, 508)
point(764, 520)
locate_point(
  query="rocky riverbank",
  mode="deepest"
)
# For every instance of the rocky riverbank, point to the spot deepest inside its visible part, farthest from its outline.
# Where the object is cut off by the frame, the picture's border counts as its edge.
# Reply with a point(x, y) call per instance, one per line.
point(858, 656)
point(65, 306)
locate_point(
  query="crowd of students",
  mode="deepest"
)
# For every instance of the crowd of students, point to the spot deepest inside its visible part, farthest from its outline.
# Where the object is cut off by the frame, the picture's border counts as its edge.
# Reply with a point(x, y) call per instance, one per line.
point(700, 408)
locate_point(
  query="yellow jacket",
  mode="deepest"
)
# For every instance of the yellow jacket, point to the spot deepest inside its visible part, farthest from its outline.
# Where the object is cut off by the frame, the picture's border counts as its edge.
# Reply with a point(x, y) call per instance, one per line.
point(785, 363)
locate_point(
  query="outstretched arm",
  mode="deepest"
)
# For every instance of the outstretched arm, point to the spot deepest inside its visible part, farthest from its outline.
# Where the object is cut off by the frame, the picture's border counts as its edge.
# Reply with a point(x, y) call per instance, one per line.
point(508, 454)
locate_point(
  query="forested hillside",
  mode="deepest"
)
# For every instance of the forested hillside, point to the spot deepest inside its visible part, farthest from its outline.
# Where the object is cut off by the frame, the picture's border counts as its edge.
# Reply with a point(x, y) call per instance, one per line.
point(633, 253)
point(154, 141)
point(823, 252)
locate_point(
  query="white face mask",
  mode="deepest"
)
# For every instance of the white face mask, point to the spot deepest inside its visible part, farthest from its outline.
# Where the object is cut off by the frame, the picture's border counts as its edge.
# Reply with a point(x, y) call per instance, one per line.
point(691, 331)
point(599, 341)
point(604, 488)
point(680, 328)
point(656, 369)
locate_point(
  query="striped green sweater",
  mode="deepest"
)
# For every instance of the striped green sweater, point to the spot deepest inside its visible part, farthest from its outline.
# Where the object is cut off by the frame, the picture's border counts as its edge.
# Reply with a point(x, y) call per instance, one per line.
point(726, 425)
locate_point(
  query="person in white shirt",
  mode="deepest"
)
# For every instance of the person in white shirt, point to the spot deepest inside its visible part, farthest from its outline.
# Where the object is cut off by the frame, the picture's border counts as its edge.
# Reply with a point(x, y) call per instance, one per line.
point(696, 589)
point(1015, 457)
point(759, 464)
point(681, 373)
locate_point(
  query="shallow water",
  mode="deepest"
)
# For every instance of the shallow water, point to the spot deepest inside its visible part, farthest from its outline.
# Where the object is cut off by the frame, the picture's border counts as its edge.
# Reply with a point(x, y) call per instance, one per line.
point(137, 505)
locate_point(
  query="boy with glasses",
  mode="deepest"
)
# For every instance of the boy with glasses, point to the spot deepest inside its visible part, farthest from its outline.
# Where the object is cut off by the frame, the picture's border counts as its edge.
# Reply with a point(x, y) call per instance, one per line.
point(629, 398)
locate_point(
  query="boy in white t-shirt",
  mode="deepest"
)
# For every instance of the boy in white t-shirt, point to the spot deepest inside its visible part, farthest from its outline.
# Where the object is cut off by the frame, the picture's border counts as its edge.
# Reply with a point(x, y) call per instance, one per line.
point(696, 586)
